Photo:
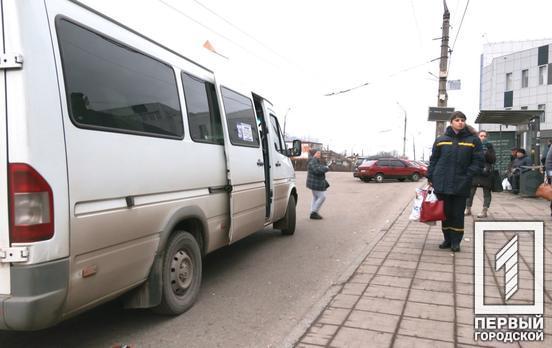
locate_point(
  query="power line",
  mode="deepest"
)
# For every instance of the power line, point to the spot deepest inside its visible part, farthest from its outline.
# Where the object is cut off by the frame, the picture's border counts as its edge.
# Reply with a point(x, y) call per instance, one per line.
point(241, 31)
point(460, 26)
point(216, 32)
point(416, 22)
point(457, 34)
point(389, 76)
point(296, 65)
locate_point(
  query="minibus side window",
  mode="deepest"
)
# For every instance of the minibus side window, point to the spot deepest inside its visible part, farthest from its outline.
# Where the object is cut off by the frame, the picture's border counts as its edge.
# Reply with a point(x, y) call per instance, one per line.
point(203, 110)
point(240, 118)
point(115, 88)
point(277, 135)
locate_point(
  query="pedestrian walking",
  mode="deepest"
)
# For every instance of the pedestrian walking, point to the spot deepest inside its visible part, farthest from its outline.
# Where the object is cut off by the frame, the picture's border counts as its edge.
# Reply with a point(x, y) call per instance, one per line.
point(485, 179)
point(316, 181)
point(456, 158)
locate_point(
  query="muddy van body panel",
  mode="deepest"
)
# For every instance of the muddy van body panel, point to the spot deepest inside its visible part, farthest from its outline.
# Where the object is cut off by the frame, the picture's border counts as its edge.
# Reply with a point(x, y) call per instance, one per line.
point(244, 158)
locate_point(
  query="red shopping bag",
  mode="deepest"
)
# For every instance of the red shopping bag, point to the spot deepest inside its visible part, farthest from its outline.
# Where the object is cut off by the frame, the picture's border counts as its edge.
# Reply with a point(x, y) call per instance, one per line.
point(432, 208)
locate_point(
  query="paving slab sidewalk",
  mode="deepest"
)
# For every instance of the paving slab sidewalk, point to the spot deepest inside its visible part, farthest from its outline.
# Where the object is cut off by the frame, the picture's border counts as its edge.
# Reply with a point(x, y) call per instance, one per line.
point(407, 292)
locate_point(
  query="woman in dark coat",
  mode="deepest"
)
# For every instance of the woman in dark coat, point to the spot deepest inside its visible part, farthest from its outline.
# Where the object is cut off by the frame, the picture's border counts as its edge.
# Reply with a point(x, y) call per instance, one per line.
point(455, 159)
point(485, 179)
point(316, 181)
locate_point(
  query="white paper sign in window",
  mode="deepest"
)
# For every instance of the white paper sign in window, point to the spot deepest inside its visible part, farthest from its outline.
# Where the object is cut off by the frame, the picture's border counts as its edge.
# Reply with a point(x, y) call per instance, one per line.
point(244, 132)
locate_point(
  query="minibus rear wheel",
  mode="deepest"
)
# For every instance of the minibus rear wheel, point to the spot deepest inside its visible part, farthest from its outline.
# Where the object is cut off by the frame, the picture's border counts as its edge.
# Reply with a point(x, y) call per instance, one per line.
point(181, 274)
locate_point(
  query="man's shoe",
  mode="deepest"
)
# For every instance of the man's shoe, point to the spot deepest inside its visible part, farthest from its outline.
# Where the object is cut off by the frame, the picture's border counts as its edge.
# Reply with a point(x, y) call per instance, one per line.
point(315, 216)
point(444, 245)
point(467, 212)
point(455, 248)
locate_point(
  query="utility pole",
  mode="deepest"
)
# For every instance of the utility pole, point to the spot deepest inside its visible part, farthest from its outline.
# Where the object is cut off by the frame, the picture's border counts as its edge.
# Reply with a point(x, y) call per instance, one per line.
point(285, 121)
point(404, 132)
point(413, 148)
point(404, 136)
point(442, 97)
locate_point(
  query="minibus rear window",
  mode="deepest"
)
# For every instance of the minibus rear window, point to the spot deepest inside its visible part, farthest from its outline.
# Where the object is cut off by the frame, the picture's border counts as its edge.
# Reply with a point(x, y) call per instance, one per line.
point(113, 87)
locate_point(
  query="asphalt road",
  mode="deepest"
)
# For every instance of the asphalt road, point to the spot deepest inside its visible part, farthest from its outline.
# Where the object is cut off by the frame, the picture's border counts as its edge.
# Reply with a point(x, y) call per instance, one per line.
point(256, 291)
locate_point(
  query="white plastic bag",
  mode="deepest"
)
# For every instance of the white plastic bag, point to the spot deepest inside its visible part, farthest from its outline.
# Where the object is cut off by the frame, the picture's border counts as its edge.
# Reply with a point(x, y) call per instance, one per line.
point(431, 197)
point(417, 205)
point(506, 186)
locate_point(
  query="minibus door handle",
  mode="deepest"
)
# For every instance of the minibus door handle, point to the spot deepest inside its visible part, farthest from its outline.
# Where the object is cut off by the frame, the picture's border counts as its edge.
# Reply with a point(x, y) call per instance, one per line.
point(260, 163)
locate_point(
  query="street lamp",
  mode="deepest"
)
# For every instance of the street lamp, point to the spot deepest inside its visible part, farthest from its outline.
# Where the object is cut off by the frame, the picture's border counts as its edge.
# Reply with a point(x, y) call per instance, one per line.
point(404, 133)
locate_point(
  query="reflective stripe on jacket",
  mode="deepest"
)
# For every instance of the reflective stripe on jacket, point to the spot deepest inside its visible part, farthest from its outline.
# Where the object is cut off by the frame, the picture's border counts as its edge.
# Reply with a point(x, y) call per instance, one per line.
point(455, 159)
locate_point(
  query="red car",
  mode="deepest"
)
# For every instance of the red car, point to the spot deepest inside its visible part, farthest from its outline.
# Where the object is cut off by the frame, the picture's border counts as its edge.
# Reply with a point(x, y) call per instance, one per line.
point(389, 168)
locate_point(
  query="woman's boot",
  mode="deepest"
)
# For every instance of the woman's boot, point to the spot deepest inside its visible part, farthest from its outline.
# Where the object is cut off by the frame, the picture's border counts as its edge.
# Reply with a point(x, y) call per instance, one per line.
point(483, 213)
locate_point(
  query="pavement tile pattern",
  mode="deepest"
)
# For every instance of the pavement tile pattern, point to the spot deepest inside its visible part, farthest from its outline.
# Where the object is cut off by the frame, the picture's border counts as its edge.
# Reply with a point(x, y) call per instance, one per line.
point(409, 293)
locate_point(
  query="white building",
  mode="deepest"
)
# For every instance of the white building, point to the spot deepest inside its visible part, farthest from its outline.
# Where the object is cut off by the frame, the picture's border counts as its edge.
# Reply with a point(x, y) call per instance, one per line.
point(517, 76)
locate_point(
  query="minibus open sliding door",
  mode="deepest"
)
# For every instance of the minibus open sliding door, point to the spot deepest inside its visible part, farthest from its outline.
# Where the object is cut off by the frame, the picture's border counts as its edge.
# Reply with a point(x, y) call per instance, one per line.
point(5, 284)
point(245, 165)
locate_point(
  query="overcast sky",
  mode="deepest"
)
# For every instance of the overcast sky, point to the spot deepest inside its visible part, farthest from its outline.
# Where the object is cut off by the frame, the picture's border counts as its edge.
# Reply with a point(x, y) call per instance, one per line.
point(294, 52)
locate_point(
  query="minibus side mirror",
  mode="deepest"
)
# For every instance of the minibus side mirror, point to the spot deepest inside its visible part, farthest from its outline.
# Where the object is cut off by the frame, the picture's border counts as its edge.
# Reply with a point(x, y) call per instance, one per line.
point(296, 149)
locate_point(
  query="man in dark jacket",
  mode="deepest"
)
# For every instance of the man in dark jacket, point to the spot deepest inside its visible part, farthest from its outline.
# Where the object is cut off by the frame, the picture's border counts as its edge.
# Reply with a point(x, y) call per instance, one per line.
point(455, 159)
point(518, 167)
point(485, 179)
point(316, 181)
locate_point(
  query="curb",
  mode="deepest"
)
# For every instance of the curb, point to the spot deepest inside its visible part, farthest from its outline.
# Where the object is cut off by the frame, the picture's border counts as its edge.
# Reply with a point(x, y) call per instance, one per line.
point(302, 326)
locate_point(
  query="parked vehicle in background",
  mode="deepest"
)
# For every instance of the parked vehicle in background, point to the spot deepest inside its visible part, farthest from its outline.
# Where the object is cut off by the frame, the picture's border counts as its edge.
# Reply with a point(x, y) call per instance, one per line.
point(389, 168)
point(359, 161)
point(122, 163)
point(420, 164)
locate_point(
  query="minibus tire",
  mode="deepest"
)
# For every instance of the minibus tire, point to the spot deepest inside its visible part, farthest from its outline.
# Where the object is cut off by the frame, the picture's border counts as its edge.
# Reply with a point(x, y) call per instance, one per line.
point(287, 224)
point(179, 288)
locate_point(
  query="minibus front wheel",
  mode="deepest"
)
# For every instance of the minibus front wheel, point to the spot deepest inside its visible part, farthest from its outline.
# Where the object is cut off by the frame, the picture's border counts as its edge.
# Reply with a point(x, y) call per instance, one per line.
point(181, 274)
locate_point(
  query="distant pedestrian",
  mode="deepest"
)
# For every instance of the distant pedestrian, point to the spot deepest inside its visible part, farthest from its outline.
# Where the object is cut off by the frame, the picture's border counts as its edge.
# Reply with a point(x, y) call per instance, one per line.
point(545, 152)
point(485, 179)
point(519, 166)
point(548, 170)
point(316, 181)
point(455, 159)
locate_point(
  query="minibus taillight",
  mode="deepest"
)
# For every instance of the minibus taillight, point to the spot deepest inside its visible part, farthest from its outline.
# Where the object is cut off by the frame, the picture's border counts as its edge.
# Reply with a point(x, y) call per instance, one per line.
point(31, 205)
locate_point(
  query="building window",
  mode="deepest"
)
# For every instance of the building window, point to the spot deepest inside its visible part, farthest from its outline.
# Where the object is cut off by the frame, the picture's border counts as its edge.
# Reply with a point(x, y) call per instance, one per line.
point(542, 75)
point(508, 99)
point(542, 107)
point(524, 78)
point(508, 81)
point(543, 55)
